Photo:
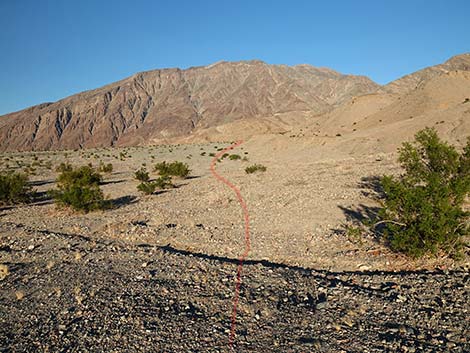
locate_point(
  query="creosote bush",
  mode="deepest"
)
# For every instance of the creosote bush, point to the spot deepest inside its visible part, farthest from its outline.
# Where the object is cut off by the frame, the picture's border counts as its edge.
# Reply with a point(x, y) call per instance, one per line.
point(79, 189)
point(234, 157)
point(142, 175)
point(149, 187)
point(106, 168)
point(255, 168)
point(81, 176)
point(178, 169)
point(164, 182)
point(64, 167)
point(14, 188)
point(423, 208)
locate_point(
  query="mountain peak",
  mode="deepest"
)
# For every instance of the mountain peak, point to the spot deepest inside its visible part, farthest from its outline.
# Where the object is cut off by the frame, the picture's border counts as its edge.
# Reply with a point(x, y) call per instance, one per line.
point(164, 104)
point(459, 62)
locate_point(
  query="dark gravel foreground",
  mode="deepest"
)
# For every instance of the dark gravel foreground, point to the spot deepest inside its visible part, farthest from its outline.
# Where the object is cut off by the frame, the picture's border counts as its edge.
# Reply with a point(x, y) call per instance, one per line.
point(69, 293)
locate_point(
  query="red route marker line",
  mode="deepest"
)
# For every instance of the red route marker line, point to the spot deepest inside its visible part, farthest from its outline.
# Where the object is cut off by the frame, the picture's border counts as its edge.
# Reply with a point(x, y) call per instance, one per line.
point(247, 237)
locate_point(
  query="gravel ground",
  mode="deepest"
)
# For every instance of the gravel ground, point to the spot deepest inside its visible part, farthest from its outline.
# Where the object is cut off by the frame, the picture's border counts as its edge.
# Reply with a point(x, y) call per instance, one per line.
point(158, 273)
point(298, 208)
point(71, 293)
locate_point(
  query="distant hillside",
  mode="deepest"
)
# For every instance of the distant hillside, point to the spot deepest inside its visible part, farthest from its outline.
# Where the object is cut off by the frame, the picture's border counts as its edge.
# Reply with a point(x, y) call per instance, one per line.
point(412, 81)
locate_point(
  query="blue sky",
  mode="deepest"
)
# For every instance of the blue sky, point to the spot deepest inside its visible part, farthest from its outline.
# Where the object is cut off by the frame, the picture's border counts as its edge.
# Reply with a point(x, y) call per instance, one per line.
point(50, 49)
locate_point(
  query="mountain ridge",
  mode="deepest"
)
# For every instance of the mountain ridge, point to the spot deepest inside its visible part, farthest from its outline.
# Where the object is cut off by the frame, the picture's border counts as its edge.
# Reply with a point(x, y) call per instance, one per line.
point(166, 103)
point(172, 105)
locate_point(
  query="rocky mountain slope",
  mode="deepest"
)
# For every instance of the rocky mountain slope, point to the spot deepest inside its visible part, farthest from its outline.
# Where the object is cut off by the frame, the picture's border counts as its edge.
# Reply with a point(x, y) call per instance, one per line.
point(231, 100)
point(161, 104)
point(438, 96)
point(414, 80)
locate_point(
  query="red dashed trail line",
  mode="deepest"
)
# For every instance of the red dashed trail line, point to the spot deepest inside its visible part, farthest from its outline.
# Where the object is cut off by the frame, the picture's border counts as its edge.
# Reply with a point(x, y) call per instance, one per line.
point(243, 256)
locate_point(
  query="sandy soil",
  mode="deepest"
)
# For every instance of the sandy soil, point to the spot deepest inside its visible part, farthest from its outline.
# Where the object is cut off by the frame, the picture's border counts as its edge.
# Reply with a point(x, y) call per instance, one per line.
point(299, 208)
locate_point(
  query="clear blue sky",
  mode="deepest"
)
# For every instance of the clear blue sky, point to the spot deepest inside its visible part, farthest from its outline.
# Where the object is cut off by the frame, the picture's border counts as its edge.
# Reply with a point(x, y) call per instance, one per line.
point(50, 49)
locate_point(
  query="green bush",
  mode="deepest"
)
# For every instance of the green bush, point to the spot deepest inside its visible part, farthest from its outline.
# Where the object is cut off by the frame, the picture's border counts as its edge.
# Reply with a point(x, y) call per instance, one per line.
point(14, 188)
point(255, 168)
point(81, 176)
point(48, 165)
point(234, 157)
point(179, 169)
point(147, 188)
point(142, 175)
point(79, 189)
point(106, 168)
point(80, 198)
point(64, 167)
point(423, 208)
point(164, 182)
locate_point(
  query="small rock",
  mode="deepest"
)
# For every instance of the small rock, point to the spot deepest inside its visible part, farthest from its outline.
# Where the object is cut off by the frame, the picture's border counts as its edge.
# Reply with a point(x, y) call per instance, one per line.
point(4, 271)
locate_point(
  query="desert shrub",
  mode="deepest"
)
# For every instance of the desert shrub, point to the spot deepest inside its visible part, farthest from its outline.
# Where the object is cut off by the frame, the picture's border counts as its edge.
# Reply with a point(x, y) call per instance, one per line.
point(163, 182)
point(80, 198)
point(79, 189)
point(48, 165)
point(142, 175)
point(30, 170)
point(146, 187)
point(149, 187)
point(423, 208)
point(179, 169)
point(81, 176)
point(234, 157)
point(106, 168)
point(64, 167)
point(14, 188)
point(255, 168)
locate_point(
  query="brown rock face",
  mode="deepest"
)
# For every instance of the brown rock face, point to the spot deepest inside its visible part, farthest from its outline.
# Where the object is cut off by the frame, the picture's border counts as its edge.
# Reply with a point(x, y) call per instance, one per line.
point(164, 104)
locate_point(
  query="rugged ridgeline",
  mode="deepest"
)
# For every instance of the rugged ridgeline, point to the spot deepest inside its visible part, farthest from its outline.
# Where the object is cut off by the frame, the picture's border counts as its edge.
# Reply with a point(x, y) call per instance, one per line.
point(162, 104)
point(230, 100)
point(414, 80)
point(374, 122)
